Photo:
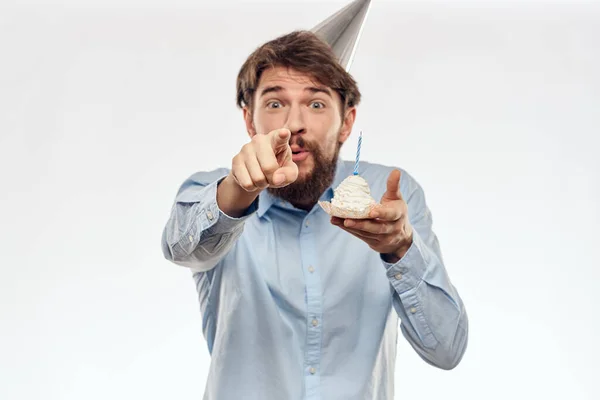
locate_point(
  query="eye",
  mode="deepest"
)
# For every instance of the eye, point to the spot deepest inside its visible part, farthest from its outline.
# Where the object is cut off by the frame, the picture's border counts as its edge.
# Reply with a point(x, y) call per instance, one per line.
point(273, 104)
point(318, 104)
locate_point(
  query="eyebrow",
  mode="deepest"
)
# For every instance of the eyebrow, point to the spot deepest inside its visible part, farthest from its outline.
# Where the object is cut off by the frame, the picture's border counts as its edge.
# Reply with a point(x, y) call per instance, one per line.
point(312, 89)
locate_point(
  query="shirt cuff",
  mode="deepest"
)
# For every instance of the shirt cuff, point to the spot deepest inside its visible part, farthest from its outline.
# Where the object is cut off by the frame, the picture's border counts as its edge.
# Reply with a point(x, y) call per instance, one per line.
point(408, 272)
point(215, 221)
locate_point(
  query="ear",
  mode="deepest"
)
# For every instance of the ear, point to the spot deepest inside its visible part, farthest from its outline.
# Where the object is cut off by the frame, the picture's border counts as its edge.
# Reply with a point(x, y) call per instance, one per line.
point(347, 124)
point(248, 120)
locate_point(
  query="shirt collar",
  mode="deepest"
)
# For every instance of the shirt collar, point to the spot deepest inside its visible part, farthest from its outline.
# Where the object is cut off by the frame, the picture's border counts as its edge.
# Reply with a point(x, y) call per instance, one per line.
point(266, 200)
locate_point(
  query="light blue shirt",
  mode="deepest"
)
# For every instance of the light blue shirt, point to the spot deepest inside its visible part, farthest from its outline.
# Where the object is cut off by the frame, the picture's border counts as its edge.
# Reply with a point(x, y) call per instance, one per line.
point(295, 308)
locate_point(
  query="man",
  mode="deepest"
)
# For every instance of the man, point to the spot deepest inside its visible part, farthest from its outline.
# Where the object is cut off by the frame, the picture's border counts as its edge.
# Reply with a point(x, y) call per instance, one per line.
point(295, 304)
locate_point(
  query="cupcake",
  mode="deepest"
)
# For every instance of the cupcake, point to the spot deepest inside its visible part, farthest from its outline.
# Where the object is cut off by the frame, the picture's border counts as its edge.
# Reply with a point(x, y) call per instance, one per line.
point(351, 199)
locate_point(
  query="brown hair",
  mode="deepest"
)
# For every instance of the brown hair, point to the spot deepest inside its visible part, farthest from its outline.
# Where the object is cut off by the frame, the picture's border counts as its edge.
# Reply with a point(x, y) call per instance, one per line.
point(304, 52)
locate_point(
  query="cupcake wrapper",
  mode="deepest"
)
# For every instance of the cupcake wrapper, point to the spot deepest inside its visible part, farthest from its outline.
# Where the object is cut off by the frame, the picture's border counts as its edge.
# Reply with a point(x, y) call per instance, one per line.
point(345, 213)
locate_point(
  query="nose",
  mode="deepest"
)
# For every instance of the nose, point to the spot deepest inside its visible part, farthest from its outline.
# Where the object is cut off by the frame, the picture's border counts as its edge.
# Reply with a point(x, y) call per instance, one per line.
point(295, 121)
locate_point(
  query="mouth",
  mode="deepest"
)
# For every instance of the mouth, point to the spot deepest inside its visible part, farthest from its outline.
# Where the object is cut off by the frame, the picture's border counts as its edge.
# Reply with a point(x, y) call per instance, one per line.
point(299, 155)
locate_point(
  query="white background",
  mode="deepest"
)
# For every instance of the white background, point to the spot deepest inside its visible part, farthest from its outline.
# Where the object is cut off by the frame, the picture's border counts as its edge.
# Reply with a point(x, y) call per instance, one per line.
point(107, 106)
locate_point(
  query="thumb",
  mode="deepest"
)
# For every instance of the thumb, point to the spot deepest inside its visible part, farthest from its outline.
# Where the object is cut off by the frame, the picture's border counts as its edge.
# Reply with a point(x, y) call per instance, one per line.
point(393, 186)
point(286, 174)
point(280, 138)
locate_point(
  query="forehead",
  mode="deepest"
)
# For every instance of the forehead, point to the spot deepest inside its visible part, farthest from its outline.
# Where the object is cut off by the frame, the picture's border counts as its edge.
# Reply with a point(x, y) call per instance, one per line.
point(287, 77)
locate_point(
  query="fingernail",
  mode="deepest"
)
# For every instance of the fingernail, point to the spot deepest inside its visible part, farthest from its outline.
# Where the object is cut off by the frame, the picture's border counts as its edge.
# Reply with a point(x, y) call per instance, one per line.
point(277, 179)
point(349, 222)
point(374, 214)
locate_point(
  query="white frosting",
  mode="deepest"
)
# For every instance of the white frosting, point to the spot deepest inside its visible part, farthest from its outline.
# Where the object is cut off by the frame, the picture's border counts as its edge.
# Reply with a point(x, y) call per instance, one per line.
point(353, 194)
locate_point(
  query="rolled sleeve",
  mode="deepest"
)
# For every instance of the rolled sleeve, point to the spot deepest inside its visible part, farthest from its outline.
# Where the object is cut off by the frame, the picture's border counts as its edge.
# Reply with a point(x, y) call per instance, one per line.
point(198, 233)
point(409, 271)
point(406, 275)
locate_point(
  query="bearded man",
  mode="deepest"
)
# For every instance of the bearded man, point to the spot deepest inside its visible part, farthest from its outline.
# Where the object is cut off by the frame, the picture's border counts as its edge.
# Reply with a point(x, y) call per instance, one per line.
point(296, 304)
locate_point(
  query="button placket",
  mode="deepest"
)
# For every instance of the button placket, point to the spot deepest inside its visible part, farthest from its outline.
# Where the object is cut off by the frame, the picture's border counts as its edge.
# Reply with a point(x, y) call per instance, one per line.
point(313, 298)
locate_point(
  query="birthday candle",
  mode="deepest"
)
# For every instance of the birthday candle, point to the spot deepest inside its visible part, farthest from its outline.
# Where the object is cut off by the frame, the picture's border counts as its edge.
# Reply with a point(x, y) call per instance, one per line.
point(358, 153)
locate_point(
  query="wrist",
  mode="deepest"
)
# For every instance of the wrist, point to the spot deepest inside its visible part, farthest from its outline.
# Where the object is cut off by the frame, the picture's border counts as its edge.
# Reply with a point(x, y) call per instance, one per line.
point(232, 199)
point(396, 255)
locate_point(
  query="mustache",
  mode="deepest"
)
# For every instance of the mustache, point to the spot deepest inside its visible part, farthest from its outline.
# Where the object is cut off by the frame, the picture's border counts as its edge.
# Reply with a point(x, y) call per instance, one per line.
point(303, 143)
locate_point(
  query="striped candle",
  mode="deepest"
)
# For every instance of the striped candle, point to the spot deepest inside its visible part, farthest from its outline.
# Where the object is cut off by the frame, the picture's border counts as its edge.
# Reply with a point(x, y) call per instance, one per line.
point(358, 153)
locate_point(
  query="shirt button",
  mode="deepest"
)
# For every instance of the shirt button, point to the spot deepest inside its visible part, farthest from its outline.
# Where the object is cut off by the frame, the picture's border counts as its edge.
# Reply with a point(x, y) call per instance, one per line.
point(398, 276)
point(311, 269)
point(191, 238)
point(312, 370)
point(209, 215)
point(315, 322)
point(306, 223)
point(413, 310)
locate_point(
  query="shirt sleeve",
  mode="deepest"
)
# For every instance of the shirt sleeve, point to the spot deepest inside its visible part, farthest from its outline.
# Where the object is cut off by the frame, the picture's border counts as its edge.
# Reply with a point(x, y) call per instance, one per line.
point(198, 233)
point(433, 316)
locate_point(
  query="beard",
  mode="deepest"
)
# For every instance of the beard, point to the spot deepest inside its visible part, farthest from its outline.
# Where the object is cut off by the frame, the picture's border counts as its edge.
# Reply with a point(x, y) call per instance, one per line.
point(307, 190)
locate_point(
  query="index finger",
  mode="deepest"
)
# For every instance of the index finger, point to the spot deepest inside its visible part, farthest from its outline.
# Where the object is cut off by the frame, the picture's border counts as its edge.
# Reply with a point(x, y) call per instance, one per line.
point(386, 213)
point(280, 138)
point(267, 161)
